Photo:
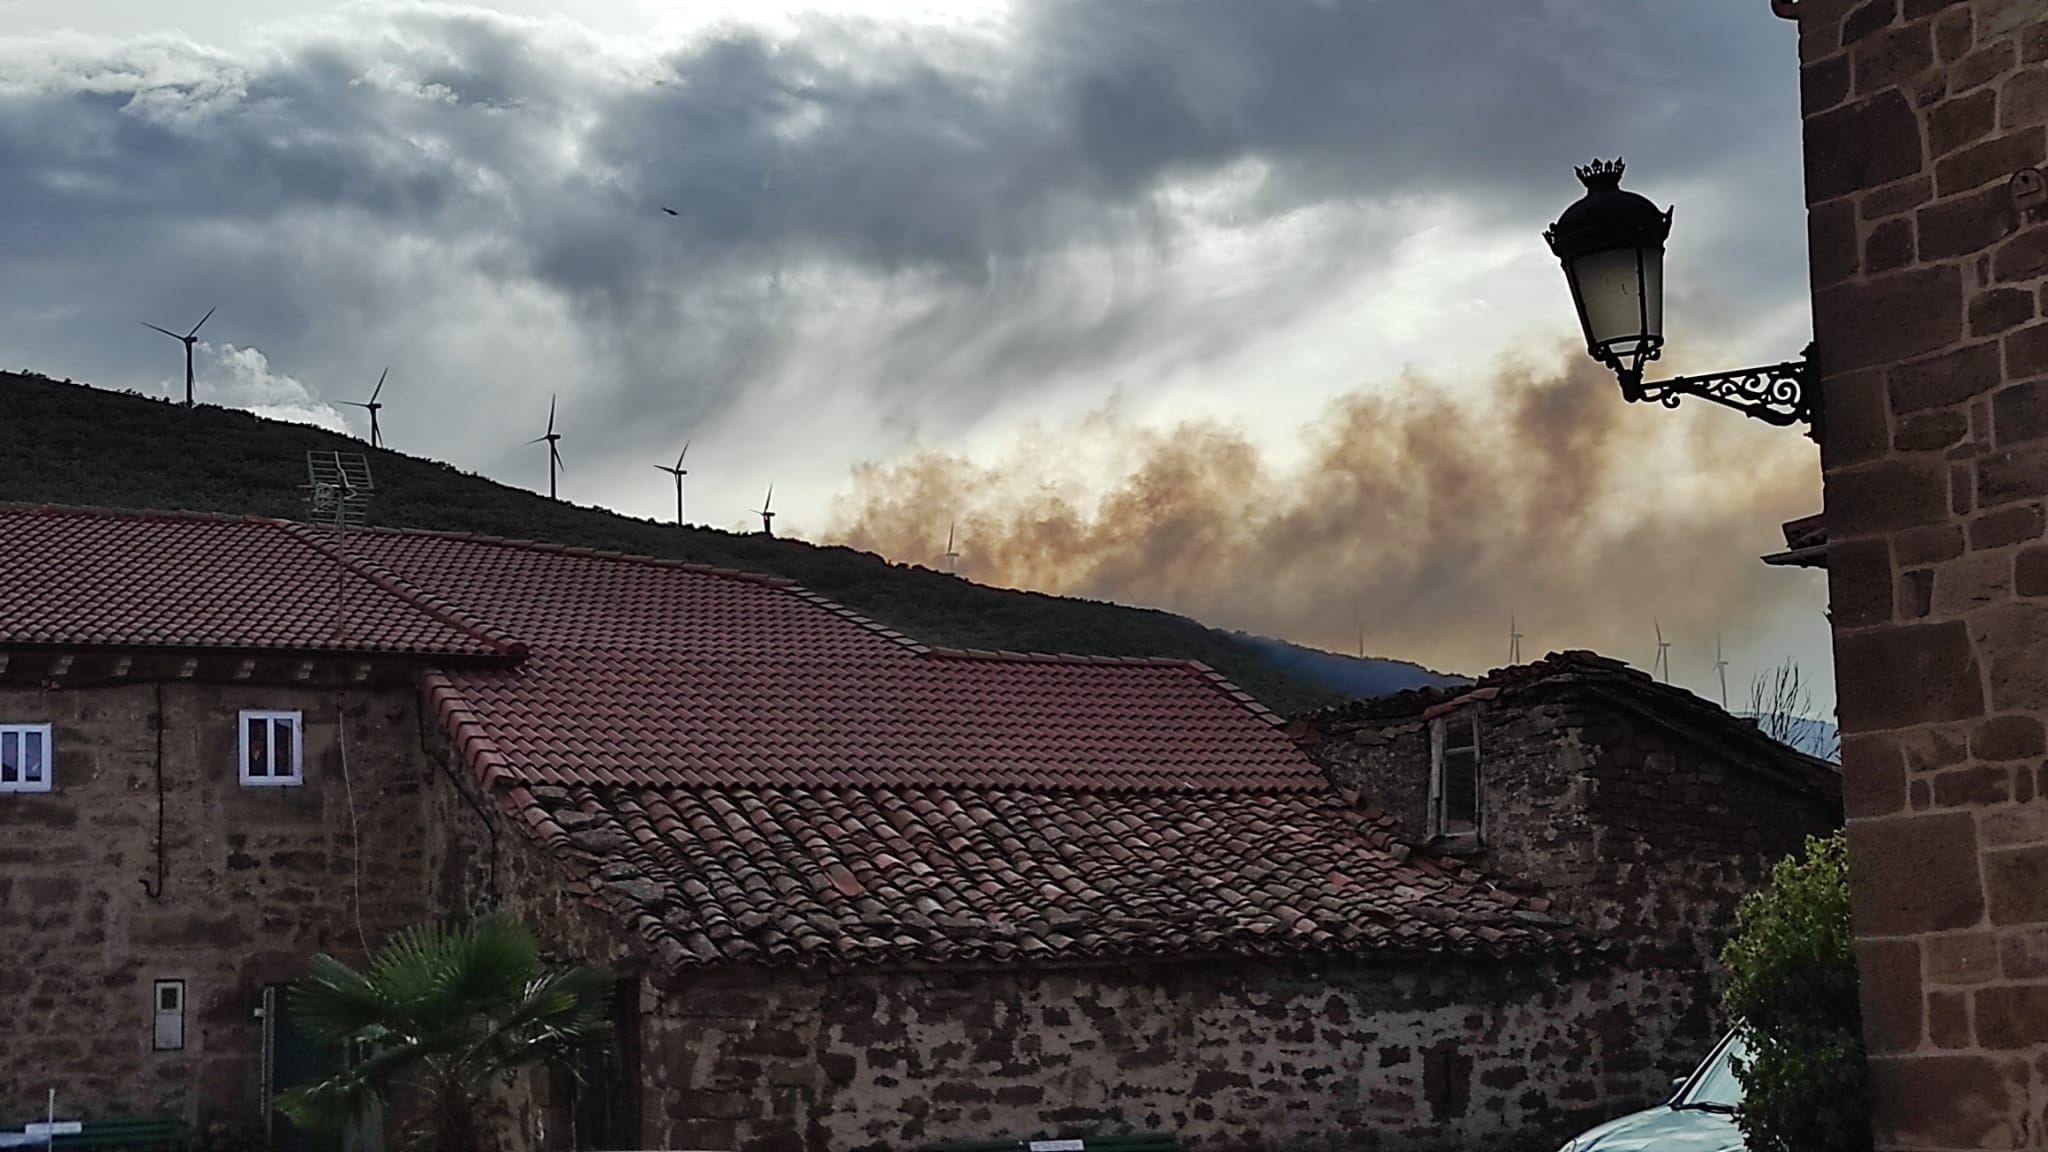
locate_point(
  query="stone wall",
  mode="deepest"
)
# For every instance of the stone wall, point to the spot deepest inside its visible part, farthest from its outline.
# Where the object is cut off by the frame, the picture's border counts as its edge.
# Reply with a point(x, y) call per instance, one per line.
point(1643, 835)
point(1930, 301)
point(1228, 1054)
point(256, 880)
point(1648, 838)
point(478, 859)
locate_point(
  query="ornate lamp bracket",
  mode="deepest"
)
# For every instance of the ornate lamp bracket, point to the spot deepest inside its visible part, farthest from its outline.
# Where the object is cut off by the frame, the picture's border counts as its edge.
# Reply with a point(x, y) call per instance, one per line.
point(1781, 394)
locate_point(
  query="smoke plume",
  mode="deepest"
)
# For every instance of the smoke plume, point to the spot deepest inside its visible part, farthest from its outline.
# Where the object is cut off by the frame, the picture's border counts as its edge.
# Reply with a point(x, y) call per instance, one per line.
point(1419, 516)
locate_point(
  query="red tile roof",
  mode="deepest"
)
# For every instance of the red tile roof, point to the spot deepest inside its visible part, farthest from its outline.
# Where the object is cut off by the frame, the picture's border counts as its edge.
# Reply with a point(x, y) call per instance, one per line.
point(75, 577)
point(743, 772)
point(875, 875)
point(657, 673)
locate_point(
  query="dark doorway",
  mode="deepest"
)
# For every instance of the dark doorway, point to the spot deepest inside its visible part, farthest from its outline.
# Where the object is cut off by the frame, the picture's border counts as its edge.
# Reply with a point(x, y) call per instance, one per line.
point(604, 1103)
point(290, 1059)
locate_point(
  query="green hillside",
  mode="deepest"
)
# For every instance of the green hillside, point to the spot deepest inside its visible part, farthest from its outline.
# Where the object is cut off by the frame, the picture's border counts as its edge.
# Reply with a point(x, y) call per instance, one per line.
point(64, 443)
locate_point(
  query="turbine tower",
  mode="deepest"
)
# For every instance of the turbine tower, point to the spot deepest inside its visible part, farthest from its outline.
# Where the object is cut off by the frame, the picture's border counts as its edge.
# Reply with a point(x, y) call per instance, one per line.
point(552, 439)
point(952, 557)
point(678, 471)
point(372, 406)
point(1514, 641)
point(1663, 666)
point(767, 513)
point(1721, 670)
point(188, 340)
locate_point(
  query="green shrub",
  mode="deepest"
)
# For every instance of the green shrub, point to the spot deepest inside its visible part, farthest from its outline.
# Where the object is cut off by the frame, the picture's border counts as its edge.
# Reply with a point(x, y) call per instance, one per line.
point(1792, 967)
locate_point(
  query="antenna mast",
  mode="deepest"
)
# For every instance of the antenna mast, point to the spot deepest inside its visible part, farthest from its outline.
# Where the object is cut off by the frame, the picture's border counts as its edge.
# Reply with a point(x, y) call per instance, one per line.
point(338, 490)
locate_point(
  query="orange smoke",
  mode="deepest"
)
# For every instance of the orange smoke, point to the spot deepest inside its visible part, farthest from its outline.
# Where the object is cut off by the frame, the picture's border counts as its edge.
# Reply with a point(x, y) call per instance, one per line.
point(1422, 516)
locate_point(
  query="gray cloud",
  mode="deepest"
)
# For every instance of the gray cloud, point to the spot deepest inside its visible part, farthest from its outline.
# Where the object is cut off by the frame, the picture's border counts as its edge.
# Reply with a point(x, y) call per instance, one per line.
point(321, 189)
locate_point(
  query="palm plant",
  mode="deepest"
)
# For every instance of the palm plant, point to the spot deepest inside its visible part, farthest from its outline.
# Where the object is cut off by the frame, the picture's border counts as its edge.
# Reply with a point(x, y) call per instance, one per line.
point(439, 1018)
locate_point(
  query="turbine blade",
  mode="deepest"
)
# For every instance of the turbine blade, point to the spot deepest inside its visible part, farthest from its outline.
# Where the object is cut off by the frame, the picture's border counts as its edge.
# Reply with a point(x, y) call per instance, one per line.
point(201, 324)
point(380, 385)
point(165, 331)
point(354, 404)
point(770, 501)
point(683, 453)
point(551, 415)
point(556, 454)
point(536, 440)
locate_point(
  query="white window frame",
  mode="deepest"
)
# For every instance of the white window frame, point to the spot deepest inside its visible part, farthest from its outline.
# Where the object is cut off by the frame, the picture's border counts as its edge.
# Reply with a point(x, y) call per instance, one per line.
point(1438, 731)
point(22, 732)
point(297, 721)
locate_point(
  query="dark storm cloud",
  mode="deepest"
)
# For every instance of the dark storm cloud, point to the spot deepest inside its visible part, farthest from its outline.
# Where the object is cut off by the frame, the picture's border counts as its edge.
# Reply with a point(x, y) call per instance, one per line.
point(342, 184)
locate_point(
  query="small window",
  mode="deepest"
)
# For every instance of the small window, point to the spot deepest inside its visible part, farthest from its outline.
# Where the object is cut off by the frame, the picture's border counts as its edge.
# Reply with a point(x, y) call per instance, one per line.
point(271, 751)
point(168, 1035)
point(24, 757)
point(1455, 796)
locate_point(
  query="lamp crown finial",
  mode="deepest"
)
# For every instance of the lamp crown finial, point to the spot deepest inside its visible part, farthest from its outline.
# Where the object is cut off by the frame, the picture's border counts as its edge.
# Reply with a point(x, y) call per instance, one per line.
point(1601, 173)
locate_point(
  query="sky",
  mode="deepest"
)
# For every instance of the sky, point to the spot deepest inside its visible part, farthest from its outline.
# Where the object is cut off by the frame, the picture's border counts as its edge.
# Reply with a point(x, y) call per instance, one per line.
point(1240, 310)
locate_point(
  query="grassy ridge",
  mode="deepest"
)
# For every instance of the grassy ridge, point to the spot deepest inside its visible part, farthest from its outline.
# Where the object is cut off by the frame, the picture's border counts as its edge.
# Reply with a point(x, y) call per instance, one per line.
point(63, 443)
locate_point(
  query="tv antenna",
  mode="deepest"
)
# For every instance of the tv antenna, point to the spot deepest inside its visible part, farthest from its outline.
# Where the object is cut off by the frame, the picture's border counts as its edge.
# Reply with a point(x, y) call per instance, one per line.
point(1662, 668)
point(338, 490)
point(553, 439)
point(767, 513)
point(678, 472)
point(188, 340)
point(1721, 670)
point(952, 556)
point(1514, 641)
point(372, 405)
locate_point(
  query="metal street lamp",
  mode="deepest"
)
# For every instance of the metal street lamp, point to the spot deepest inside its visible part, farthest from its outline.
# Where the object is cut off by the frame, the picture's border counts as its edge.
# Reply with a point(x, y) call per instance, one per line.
point(1611, 244)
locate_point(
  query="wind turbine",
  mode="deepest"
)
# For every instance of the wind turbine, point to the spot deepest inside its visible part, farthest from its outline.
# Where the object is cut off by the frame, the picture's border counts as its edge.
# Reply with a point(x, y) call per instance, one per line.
point(371, 405)
point(767, 513)
point(952, 557)
point(678, 472)
point(1721, 670)
point(1663, 664)
point(553, 438)
point(1514, 641)
point(188, 340)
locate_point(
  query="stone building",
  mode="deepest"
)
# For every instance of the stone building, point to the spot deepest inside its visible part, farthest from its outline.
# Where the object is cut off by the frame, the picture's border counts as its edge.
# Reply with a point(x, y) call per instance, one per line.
point(1926, 128)
point(864, 894)
point(1642, 811)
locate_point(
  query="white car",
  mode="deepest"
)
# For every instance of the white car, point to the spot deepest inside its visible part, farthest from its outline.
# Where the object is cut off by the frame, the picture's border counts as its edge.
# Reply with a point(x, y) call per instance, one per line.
point(1699, 1117)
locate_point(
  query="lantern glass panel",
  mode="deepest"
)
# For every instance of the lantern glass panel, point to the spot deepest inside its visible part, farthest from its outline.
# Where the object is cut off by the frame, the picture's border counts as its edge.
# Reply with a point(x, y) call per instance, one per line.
point(1621, 294)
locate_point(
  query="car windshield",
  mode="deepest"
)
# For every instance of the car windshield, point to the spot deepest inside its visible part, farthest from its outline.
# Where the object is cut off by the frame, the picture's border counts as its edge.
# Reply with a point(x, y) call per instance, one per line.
point(1715, 1086)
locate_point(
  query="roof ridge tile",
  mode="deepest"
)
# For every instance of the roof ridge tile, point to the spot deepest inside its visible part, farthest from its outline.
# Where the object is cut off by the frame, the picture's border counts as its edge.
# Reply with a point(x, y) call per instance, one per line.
point(430, 603)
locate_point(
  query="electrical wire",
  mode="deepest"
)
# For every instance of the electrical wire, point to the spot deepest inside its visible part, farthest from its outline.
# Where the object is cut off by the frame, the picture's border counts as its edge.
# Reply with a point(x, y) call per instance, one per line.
point(354, 825)
point(157, 892)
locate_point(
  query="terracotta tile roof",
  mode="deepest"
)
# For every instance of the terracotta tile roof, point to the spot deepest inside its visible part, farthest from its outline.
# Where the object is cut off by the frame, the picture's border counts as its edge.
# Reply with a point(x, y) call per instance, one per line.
point(77, 576)
point(656, 673)
point(875, 875)
point(744, 773)
point(1692, 716)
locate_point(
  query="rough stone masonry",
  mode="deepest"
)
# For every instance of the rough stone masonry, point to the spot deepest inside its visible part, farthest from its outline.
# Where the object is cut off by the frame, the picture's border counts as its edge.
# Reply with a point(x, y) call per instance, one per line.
point(1926, 125)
